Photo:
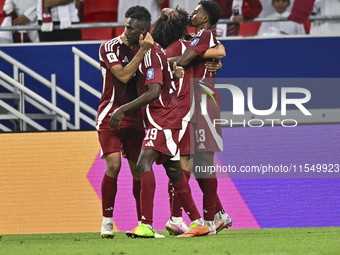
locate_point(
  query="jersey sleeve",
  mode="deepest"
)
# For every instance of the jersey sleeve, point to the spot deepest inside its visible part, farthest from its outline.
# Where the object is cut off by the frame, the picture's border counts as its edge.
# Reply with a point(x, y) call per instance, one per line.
point(153, 68)
point(109, 55)
point(202, 42)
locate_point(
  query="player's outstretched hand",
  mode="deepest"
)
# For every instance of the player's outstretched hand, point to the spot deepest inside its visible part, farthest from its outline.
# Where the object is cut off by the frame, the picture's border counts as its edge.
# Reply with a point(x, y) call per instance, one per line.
point(178, 71)
point(116, 118)
point(213, 66)
point(146, 43)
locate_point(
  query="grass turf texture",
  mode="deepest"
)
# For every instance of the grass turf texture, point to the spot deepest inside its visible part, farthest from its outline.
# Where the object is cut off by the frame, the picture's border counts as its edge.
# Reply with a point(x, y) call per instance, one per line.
point(240, 241)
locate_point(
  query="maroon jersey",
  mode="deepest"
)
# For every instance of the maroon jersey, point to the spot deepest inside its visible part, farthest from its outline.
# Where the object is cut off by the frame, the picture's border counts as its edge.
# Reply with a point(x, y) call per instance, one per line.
point(200, 43)
point(163, 113)
point(184, 86)
point(114, 92)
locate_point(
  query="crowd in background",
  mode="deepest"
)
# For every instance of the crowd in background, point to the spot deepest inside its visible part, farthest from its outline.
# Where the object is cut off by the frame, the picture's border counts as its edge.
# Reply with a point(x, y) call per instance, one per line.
point(49, 13)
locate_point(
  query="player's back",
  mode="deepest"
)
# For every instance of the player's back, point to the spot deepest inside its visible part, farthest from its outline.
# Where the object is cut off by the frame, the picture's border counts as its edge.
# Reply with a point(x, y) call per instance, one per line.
point(184, 86)
point(163, 113)
point(114, 92)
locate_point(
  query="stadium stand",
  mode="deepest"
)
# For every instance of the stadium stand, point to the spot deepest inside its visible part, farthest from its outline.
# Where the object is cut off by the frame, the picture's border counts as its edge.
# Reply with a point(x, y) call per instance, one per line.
point(99, 11)
point(2, 14)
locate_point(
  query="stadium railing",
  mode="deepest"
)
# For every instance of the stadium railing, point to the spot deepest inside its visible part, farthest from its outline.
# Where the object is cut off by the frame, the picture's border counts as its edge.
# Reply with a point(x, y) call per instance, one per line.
point(78, 83)
point(49, 110)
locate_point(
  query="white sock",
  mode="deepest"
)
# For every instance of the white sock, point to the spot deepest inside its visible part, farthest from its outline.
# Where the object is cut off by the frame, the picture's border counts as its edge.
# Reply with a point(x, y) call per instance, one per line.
point(199, 222)
point(210, 223)
point(220, 215)
point(139, 222)
point(150, 226)
point(176, 219)
point(107, 220)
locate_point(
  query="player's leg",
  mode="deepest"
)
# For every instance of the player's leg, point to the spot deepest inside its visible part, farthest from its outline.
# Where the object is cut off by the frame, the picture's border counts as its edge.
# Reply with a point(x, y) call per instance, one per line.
point(110, 144)
point(109, 191)
point(147, 193)
point(135, 186)
point(131, 150)
point(208, 141)
point(214, 214)
point(208, 185)
point(175, 225)
point(183, 191)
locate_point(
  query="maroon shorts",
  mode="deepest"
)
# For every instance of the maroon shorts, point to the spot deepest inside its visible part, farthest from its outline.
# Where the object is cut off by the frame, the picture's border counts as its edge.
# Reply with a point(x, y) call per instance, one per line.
point(127, 140)
point(164, 141)
point(207, 136)
point(186, 139)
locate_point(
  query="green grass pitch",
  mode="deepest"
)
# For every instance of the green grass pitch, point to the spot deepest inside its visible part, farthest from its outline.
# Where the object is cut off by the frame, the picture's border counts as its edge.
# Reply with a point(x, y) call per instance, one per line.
point(239, 241)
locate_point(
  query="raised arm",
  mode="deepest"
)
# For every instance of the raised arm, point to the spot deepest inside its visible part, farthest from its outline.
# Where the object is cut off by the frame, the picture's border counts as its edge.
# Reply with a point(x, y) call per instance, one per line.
point(124, 74)
point(184, 60)
point(216, 52)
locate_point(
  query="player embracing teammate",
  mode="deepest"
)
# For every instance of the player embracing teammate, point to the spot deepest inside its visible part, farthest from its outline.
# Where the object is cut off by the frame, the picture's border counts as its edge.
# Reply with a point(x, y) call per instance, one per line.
point(197, 110)
point(158, 101)
point(168, 112)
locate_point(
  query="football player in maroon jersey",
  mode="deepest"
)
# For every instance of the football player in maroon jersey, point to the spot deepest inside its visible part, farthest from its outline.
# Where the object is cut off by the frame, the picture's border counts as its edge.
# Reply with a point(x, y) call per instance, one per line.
point(158, 100)
point(170, 30)
point(117, 60)
point(208, 137)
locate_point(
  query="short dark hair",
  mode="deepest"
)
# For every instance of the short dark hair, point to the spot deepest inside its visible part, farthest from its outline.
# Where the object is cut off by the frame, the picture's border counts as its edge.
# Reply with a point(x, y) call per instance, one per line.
point(165, 31)
point(212, 9)
point(135, 9)
point(143, 18)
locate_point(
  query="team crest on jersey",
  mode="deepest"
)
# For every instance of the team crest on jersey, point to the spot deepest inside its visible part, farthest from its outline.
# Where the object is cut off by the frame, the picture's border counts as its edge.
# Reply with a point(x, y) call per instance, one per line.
point(150, 74)
point(111, 57)
point(194, 42)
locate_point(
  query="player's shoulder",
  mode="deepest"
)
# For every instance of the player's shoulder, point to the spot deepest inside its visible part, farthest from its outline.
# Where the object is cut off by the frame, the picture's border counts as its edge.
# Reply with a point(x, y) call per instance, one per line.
point(154, 56)
point(176, 48)
point(157, 49)
point(173, 49)
point(111, 45)
point(203, 33)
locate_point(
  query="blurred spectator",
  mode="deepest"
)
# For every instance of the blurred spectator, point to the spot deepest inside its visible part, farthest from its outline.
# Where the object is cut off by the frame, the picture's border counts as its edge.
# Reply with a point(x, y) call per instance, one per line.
point(268, 8)
point(57, 12)
point(154, 7)
point(19, 12)
point(281, 27)
point(187, 5)
point(233, 9)
point(326, 8)
point(80, 8)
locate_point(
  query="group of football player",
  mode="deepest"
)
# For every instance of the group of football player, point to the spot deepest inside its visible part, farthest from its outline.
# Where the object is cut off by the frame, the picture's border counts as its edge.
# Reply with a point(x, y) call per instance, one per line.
point(145, 86)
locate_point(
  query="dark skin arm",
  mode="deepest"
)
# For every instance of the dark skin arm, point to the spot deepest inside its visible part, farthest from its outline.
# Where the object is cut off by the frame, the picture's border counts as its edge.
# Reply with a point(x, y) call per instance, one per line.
point(213, 66)
point(169, 12)
point(124, 74)
point(185, 59)
point(216, 52)
point(189, 55)
point(148, 97)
